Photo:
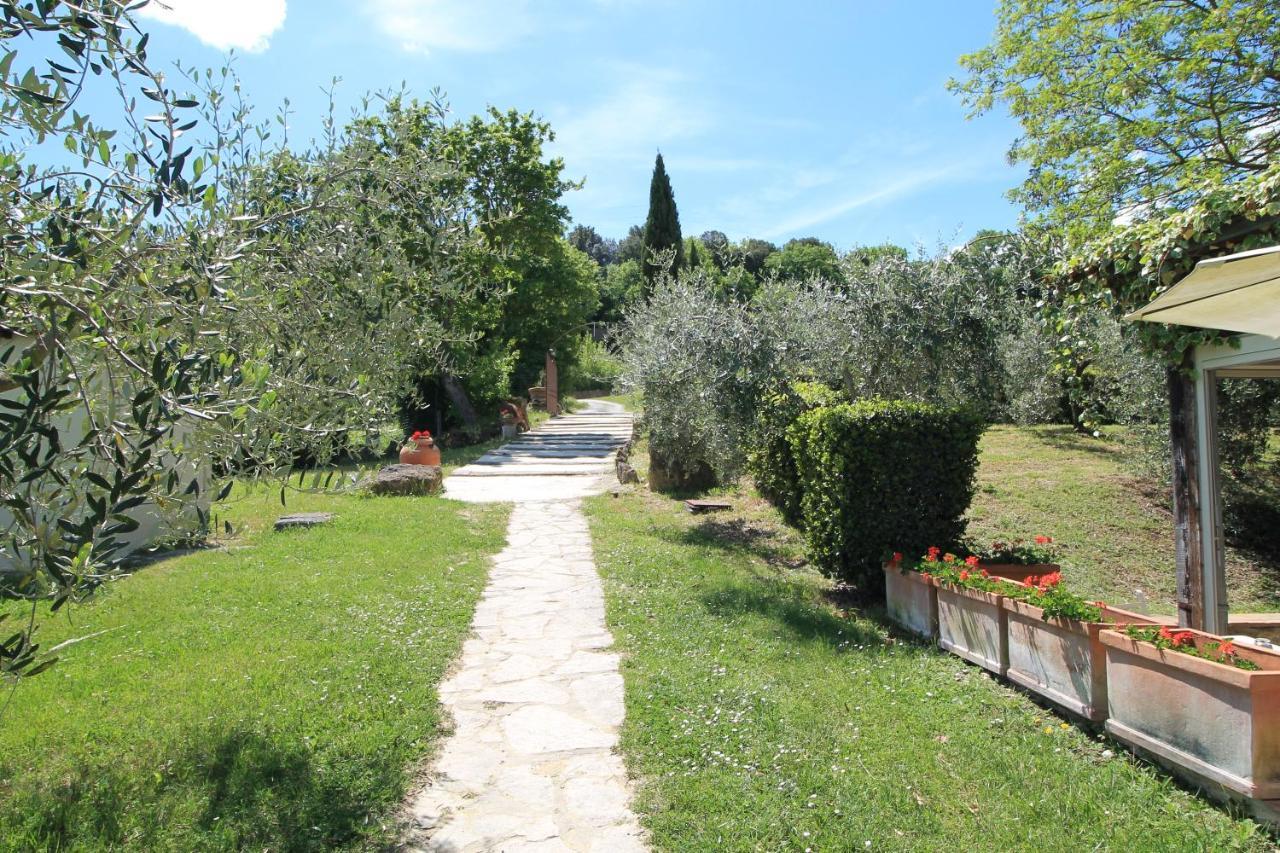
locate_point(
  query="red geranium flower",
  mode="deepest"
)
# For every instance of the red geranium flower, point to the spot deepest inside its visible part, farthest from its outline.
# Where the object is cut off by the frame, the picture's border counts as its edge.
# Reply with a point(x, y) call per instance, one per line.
point(948, 558)
point(971, 561)
point(1043, 540)
point(897, 556)
point(964, 575)
point(1227, 649)
point(934, 552)
point(1164, 633)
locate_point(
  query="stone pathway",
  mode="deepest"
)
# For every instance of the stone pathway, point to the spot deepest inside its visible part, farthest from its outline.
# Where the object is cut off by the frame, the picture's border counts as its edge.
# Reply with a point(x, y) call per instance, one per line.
point(567, 457)
point(537, 698)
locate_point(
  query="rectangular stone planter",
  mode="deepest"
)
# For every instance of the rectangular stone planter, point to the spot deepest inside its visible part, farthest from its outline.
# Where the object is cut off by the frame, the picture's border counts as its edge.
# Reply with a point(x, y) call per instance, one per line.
point(971, 624)
point(1062, 659)
point(1211, 720)
point(911, 600)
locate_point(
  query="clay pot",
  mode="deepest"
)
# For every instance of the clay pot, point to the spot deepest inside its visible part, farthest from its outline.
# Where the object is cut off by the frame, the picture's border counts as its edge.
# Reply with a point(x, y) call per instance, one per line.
point(426, 454)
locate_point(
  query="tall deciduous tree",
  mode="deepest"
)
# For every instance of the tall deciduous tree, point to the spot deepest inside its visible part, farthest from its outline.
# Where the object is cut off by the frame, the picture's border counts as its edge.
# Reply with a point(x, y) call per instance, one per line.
point(1126, 105)
point(805, 258)
point(586, 239)
point(662, 228)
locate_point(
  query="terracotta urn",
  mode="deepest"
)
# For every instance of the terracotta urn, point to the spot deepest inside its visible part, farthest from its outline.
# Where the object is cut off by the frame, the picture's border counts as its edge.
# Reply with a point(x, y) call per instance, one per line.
point(420, 449)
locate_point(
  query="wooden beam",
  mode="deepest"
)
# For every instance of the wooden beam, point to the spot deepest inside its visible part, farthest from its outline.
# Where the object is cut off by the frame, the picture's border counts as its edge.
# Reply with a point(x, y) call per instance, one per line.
point(1186, 496)
point(553, 384)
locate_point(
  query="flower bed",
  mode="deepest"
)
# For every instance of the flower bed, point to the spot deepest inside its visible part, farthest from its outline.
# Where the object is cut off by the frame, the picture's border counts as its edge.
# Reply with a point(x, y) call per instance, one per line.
point(1197, 703)
point(1018, 560)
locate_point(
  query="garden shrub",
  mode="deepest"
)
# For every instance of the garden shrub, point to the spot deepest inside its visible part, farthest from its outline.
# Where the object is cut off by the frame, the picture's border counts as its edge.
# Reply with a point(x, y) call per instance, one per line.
point(881, 476)
point(596, 368)
point(770, 460)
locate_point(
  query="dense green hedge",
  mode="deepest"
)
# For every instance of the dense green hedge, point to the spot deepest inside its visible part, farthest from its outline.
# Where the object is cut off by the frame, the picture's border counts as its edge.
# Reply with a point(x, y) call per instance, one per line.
point(878, 477)
point(769, 460)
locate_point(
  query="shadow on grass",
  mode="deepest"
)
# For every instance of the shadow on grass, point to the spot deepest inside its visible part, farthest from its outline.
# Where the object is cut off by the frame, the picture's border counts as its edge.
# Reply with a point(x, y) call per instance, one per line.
point(740, 536)
point(1066, 439)
point(250, 791)
point(792, 608)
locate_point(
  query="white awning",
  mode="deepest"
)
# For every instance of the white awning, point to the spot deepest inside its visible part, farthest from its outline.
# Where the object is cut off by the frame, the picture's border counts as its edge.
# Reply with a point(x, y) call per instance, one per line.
point(1235, 293)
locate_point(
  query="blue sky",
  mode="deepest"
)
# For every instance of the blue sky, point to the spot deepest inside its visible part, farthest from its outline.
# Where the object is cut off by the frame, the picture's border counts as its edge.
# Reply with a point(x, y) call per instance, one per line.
point(776, 121)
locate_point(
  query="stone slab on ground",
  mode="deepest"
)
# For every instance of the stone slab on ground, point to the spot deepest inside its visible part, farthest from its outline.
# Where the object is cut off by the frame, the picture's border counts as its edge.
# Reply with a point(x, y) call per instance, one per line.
point(303, 519)
point(401, 479)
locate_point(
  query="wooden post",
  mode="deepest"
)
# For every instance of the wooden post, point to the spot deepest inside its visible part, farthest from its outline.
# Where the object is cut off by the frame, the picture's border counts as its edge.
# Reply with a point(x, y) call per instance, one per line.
point(553, 385)
point(1186, 498)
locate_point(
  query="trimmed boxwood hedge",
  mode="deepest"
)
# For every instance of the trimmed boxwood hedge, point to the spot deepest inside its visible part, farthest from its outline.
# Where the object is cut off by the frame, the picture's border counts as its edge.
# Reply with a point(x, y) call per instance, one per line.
point(880, 476)
point(769, 460)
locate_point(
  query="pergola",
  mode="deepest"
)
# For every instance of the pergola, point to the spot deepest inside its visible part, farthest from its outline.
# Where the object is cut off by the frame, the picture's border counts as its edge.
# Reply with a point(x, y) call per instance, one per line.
point(1234, 293)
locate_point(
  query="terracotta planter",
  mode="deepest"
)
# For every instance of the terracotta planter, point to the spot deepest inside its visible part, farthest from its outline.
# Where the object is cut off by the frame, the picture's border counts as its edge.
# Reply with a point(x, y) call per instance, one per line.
point(1062, 659)
point(911, 600)
point(1212, 720)
point(971, 623)
point(426, 454)
point(1019, 571)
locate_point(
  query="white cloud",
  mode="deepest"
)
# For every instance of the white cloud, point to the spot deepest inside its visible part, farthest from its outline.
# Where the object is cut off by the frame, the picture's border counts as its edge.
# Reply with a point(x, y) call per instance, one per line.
point(461, 25)
point(817, 214)
point(631, 122)
point(612, 140)
point(477, 26)
point(224, 24)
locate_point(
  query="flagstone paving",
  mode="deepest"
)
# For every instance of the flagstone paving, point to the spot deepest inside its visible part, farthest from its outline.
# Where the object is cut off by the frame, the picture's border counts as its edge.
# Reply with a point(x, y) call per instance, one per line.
point(537, 697)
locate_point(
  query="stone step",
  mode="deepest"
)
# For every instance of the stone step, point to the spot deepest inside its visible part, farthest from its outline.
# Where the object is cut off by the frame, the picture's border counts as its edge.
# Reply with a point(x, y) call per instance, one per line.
point(488, 459)
point(532, 471)
point(558, 453)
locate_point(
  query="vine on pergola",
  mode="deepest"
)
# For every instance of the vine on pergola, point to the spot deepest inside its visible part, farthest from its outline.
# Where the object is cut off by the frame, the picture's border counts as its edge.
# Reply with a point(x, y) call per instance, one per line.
point(1131, 266)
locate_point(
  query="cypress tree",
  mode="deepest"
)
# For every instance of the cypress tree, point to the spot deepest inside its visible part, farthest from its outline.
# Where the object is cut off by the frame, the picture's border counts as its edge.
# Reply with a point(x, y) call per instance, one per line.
point(662, 228)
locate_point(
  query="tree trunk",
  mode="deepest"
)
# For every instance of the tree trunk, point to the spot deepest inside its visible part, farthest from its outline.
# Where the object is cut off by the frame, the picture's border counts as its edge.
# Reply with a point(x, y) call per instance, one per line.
point(458, 396)
point(1186, 498)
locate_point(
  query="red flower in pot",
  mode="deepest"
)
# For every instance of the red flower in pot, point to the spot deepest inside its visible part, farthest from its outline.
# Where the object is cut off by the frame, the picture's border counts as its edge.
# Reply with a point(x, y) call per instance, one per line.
point(420, 449)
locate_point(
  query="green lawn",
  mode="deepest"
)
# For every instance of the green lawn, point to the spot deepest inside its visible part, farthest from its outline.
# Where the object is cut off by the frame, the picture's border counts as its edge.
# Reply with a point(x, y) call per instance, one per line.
point(1116, 530)
point(760, 717)
point(275, 694)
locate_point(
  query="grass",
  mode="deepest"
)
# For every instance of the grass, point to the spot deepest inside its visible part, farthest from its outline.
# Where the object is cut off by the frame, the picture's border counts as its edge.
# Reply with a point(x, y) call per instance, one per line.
point(1115, 529)
point(761, 717)
point(274, 694)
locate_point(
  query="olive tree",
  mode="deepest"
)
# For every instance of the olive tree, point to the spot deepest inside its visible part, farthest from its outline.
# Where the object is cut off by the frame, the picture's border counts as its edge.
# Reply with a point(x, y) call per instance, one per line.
point(183, 296)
